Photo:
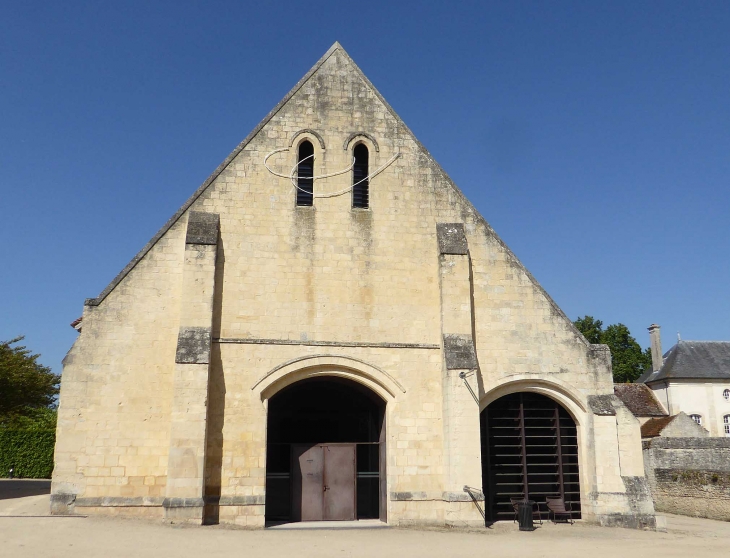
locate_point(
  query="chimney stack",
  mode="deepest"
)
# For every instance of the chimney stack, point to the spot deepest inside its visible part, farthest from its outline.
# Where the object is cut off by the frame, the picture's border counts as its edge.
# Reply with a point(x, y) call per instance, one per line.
point(656, 347)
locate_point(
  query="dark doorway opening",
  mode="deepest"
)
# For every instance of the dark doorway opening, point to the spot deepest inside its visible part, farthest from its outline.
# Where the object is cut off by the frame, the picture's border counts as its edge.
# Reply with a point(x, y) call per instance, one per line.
point(325, 452)
point(529, 450)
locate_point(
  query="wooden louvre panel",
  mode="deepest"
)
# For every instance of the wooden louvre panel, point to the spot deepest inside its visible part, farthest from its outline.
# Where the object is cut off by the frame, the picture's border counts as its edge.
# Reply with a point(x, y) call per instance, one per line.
point(529, 450)
point(305, 173)
point(360, 181)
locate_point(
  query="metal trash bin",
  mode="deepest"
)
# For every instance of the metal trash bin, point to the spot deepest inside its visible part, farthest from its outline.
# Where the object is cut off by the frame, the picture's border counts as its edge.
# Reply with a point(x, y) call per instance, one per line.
point(524, 515)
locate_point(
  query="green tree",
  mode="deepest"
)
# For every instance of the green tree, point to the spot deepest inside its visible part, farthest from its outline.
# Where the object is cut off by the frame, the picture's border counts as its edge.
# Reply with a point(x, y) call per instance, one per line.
point(42, 418)
point(27, 388)
point(629, 361)
point(590, 328)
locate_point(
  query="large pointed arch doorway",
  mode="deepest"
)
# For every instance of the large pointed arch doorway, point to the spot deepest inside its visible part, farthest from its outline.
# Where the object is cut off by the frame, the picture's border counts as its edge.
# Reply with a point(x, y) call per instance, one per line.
point(325, 452)
point(530, 451)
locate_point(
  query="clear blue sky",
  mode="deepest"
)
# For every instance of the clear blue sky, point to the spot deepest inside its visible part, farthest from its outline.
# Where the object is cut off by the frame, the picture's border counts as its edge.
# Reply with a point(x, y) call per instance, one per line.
point(593, 136)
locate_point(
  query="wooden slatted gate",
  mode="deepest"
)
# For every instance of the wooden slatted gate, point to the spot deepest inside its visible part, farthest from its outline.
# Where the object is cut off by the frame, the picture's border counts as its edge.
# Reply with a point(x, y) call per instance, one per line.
point(529, 449)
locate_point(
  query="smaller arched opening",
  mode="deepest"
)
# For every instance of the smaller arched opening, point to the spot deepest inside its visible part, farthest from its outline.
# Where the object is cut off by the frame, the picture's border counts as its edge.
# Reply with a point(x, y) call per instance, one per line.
point(325, 452)
point(529, 451)
point(360, 180)
point(305, 174)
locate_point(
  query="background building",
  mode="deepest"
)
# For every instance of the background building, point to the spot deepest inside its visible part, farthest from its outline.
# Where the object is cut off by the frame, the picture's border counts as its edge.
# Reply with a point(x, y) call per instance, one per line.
point(694, 377)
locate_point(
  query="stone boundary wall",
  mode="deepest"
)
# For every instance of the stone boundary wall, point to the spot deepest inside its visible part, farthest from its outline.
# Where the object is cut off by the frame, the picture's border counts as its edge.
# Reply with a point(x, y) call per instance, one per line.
point(689, 476)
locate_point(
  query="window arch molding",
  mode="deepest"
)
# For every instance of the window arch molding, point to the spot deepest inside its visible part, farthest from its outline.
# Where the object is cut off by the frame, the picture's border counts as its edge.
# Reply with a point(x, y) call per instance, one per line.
point(370, 142)
point(310, 134)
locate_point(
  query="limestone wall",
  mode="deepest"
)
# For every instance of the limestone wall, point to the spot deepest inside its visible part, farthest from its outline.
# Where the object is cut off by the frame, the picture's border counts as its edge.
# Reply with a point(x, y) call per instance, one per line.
point(116, 389)
point(690, 476)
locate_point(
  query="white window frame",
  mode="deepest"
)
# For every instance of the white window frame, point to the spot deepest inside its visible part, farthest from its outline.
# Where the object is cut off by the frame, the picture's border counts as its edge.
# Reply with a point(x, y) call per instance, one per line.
point(726, 424)
point(696, 418)
point(726, 394)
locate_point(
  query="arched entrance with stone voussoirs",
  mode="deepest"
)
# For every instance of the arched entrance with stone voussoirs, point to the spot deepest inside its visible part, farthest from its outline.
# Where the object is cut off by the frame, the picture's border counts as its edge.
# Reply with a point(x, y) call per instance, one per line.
point(325, 454)
point(529, 451)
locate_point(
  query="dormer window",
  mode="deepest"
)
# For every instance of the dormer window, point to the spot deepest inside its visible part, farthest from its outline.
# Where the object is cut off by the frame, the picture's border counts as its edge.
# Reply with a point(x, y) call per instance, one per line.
point(305, 174)
point(360, 181)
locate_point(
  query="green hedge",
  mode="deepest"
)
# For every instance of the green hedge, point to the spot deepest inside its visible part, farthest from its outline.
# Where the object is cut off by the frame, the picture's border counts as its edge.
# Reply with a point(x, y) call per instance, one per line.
point(28, 452)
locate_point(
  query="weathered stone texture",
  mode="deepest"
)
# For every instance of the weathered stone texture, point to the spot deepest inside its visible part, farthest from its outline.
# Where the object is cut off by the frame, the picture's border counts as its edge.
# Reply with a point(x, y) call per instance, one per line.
point(459, 352)
point(452, 238)
point(193, 345)
point(690, 476)
point(202, 228)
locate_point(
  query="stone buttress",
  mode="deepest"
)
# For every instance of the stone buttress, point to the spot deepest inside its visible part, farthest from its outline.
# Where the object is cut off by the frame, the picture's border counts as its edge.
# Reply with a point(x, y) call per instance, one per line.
point(462, 450)
point(186, 458)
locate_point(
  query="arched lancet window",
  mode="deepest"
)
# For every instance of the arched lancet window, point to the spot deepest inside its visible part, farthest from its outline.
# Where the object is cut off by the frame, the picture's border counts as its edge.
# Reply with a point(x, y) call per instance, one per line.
point(697, 419)
point(305, 172)
point(360, 182)
point(726, 421)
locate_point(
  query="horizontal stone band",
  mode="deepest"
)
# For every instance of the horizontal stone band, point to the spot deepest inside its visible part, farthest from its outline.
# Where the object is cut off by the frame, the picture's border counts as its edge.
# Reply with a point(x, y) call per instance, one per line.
point(383, 345)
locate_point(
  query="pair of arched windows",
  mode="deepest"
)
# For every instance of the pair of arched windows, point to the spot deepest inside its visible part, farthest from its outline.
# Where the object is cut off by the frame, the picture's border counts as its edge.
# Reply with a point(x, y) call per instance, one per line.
point(360, 172)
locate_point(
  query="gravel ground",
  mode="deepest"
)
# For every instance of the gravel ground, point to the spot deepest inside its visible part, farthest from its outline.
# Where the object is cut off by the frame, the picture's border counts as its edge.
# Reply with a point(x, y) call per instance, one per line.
point(26, 530)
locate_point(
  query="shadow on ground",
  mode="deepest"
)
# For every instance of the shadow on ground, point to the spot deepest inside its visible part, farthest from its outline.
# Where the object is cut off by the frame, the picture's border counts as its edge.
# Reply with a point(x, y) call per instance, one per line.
point(21, 488)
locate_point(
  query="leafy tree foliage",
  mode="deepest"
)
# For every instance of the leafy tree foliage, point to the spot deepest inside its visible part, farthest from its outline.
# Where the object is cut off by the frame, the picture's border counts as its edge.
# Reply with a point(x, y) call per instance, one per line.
point(27, 388)
point(627, 358)
point(590, 328)
point(42, 418)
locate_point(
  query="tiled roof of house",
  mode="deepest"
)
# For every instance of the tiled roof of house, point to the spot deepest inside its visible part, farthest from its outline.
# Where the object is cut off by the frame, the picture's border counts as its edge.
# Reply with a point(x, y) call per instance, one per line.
point(693, 360)
point(653, 427)
point(640, 400)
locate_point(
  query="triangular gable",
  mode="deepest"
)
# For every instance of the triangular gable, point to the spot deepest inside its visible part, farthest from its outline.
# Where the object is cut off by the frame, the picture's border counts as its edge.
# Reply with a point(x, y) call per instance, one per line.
point(675, 426)
point(241, 146)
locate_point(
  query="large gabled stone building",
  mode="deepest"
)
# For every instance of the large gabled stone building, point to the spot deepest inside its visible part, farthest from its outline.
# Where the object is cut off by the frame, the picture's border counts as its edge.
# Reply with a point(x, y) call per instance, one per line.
point(328, 329)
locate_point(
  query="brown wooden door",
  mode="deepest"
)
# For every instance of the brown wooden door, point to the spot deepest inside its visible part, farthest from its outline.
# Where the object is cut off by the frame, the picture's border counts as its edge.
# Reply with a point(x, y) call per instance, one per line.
point(308, 482)
point(339, 482)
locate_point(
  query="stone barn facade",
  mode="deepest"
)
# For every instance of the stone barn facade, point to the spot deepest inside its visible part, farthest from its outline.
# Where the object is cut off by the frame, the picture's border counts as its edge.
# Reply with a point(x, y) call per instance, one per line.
point(328, 329)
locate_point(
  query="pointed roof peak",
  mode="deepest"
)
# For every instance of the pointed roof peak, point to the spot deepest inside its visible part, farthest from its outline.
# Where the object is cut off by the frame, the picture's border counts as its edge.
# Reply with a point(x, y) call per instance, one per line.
point(330, 51)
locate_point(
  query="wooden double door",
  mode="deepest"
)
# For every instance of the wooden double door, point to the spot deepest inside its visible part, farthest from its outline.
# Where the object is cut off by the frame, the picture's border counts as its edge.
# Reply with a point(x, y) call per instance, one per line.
point(324, 482)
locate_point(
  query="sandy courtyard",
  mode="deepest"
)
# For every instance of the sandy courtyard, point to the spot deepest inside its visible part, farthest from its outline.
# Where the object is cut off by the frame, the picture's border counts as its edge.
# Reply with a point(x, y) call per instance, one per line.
point(27, 531)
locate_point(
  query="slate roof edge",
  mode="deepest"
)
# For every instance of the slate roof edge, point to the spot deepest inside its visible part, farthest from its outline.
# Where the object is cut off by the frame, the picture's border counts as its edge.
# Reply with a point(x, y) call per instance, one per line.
point(208, 181)
point(667, 373)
